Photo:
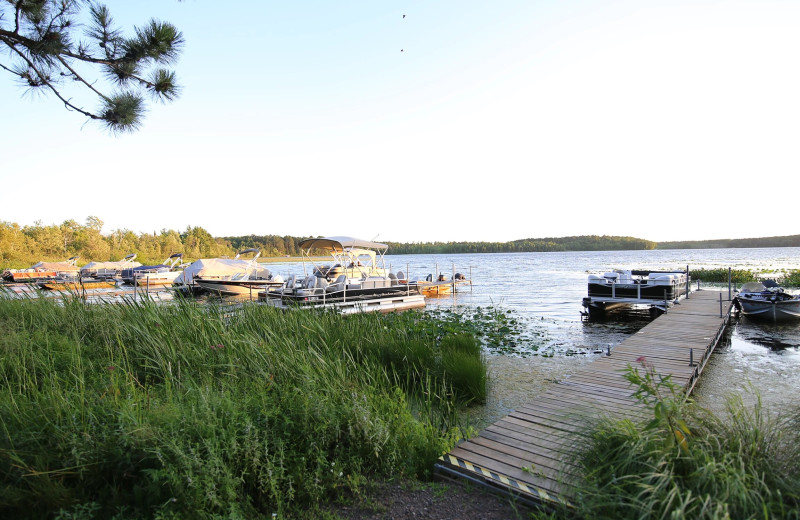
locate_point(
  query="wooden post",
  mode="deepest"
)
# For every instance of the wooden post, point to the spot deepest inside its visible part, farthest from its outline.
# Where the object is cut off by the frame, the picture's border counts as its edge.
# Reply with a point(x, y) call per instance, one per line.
point(729, 283)
point(688, 287)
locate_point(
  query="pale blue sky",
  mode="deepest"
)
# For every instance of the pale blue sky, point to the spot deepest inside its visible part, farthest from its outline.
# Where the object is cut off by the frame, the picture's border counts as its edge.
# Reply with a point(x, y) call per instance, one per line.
point(497, 121)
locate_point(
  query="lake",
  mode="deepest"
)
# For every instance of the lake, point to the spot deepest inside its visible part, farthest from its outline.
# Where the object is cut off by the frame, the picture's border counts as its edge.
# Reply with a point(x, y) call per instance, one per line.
point(544, 292)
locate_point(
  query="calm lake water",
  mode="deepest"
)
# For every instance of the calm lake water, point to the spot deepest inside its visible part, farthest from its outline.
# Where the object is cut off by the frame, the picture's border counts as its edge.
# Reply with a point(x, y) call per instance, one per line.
point(544, 292)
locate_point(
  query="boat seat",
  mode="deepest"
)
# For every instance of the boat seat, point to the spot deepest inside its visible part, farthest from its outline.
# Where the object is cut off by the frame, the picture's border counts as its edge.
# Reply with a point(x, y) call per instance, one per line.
point(310, 282)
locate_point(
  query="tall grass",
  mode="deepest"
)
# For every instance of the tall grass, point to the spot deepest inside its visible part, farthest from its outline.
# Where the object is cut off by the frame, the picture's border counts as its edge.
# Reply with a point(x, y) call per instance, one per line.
point(787, 278)
point(154, 411)
point(687, 462)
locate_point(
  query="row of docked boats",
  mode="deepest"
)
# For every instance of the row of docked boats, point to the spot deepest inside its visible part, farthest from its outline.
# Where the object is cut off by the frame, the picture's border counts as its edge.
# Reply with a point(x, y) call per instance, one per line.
point(659, 290)
point(353, 277)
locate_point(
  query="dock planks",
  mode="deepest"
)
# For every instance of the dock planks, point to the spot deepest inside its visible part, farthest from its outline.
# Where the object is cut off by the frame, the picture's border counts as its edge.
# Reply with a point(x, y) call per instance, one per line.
point(526, 453)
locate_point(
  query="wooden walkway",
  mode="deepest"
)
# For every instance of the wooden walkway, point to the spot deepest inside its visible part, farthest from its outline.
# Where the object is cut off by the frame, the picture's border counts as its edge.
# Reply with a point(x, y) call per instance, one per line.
point(524, 454)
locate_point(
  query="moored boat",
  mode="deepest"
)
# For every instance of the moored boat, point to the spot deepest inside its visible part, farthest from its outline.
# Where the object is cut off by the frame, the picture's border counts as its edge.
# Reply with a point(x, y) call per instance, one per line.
point(357, 280)
point(151, 275)
point(72, 285)
point(440, 286)
point(44, 271)
point(230, 276)
point(767, 301)
point(625, 288)
point(108, 269)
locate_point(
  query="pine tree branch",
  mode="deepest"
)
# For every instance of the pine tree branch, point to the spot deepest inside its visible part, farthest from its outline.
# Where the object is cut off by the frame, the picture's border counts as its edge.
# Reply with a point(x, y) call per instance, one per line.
point(43, 78)
point(80, 78)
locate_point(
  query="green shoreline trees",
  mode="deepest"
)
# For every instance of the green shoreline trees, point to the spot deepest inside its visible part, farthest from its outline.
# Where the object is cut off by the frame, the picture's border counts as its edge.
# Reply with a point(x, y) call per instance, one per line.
point(22, 246)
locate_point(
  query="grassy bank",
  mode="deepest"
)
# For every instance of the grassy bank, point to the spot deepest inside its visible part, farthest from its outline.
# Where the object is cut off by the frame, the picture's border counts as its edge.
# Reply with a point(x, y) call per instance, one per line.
point(155, 411)
point(686, 462)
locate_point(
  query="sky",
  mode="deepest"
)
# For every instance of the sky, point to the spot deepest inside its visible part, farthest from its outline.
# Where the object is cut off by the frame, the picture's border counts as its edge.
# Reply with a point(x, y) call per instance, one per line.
point(416, 121)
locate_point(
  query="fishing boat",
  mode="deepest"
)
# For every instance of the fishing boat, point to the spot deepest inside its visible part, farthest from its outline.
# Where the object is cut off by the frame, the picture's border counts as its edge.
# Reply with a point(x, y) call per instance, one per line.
point(230, 276)
point(657, 290)
point(164, 273)
point(44, 271)
point(77, 285)
point(767, 300)
point(441, 286)
point(108, 269)
point(356, 281)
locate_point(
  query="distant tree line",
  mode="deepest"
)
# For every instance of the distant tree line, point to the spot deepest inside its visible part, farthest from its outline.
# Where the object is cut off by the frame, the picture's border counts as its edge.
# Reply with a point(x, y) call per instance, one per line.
point(528, 245)
point(784, 241)
point(22, 246)
point(26, 245)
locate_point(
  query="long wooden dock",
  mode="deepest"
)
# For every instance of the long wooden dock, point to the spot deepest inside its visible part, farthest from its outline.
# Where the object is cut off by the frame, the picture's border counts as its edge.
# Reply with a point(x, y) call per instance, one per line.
point(525, 454)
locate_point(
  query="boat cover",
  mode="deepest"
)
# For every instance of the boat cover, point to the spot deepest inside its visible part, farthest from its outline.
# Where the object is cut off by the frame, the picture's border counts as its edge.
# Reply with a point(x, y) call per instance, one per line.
point(56, 266)
point(339, 243)
point(218, 267)
point(110, 266)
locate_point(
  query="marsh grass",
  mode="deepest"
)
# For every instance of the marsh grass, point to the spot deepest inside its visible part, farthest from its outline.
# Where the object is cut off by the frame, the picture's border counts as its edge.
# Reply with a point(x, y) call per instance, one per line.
point(143, 410)
point(687, 462)
point(787, 278)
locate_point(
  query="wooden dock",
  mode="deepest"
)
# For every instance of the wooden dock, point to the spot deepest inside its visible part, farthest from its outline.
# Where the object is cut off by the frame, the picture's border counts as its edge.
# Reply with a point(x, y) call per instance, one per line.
point(525, 453)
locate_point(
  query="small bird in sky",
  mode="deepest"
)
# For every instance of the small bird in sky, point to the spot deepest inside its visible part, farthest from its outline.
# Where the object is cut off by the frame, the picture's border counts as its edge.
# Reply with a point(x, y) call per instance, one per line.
point(404, 16)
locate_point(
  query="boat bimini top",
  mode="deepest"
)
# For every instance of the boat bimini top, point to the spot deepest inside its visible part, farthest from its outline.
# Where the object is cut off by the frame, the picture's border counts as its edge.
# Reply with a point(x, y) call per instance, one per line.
point(361, 256)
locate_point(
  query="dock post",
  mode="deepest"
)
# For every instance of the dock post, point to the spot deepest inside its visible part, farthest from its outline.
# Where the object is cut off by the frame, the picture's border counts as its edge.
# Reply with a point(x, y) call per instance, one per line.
point(729, 283)
point(720, 305)
point(688, 287)
point(666, 302)
point(608, 350)
point(691, 357)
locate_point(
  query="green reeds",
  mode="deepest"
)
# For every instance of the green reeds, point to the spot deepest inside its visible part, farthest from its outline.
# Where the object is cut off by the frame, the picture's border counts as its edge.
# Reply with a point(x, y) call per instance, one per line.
point(685, 462)
point(787, 278)
point(145, 410)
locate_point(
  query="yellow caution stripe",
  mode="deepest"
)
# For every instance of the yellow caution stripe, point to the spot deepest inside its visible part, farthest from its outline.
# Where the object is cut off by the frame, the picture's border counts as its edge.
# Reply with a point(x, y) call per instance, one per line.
point(534, 491)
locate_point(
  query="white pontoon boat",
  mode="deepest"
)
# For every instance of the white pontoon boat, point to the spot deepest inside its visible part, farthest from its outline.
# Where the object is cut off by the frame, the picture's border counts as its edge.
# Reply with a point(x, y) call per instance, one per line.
point(356, 281)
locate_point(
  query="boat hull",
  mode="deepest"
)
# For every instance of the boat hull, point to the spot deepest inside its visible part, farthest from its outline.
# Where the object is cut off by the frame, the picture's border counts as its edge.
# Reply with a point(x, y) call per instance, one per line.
point(78, 286)
point(235, 287)
point(148, 279)
point(782, 310)
point(395, 303)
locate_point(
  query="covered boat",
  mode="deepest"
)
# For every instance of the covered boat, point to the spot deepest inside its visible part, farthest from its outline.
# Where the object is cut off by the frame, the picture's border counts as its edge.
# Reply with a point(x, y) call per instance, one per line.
point(44, 271)
point(768, 301)
point(109, 269)
point(228, 275)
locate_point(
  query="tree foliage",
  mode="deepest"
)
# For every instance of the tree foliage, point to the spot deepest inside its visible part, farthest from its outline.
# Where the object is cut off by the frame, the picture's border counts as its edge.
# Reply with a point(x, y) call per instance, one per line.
point(782, 241)
point(53, 45)
point(528, 245)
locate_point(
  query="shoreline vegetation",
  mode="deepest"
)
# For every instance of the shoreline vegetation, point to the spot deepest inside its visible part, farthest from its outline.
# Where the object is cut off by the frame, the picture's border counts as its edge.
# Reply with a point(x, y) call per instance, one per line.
point(142, 410)
point(23, 246)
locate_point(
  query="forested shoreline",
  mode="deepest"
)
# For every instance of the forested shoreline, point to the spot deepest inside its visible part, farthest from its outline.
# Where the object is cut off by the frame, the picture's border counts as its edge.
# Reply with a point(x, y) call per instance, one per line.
point(22, 246)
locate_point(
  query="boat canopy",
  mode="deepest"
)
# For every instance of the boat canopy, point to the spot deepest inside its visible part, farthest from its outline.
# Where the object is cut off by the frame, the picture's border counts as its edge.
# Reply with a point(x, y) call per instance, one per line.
point(340, 243)
point(55, 266)
point(127, 262)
